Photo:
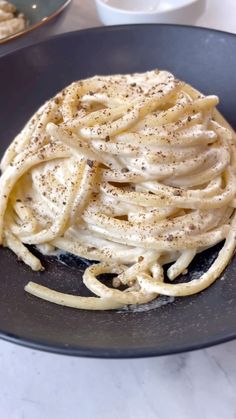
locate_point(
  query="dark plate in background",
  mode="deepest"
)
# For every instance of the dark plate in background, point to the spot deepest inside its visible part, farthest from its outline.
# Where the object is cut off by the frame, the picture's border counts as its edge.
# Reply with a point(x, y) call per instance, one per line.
point(37, 13)
point(202, 57)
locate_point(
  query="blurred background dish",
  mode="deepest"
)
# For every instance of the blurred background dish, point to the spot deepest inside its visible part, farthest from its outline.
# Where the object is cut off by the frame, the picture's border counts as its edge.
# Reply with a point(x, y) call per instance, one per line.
point(37, 13)
point(115, 12)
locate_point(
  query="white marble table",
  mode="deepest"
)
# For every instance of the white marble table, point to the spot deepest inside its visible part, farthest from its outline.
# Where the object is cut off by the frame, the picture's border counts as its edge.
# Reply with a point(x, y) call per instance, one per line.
point(36, 385)
point(196, 385)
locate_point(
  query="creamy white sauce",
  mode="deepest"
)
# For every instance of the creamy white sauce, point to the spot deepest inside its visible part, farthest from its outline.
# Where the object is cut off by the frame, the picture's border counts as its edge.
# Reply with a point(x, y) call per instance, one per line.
point(140, 308)
point(135, 6)
point(145, 6)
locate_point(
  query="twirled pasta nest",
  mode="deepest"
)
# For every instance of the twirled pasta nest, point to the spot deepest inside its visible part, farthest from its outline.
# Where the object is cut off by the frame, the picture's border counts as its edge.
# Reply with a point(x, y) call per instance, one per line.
point(134, 171)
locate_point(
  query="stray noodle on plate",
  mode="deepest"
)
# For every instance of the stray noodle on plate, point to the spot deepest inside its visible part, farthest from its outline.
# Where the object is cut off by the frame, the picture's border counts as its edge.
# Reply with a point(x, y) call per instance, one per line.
point(134, 171)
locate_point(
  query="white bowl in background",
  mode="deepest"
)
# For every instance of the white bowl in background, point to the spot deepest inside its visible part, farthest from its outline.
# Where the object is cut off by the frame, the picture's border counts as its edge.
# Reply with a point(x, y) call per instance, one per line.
point(115, 12)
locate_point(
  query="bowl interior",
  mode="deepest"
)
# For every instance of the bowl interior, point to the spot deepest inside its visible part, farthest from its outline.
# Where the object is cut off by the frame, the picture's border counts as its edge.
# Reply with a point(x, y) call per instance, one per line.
point(204, 58)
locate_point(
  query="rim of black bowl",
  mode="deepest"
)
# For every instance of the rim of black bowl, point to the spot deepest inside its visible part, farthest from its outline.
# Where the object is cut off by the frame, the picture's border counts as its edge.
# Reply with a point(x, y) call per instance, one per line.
point(118, 353)
point(99, 29)
point(102, 29)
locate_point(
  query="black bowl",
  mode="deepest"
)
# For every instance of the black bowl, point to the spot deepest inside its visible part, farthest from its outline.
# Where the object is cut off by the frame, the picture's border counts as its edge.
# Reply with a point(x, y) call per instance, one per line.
point(206, 59)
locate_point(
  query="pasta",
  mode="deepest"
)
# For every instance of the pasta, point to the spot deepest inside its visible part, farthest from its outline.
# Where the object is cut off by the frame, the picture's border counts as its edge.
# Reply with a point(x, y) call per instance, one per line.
point(133, 171)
